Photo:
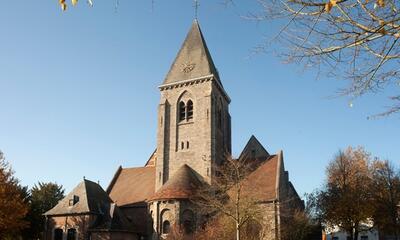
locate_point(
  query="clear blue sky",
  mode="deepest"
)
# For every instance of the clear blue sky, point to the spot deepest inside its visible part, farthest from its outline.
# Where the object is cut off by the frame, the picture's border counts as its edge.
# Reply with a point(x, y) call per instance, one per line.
point(79, 96)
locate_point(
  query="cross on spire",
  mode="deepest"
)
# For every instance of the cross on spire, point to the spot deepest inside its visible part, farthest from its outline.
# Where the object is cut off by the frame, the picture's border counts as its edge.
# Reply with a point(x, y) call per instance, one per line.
point(196, 8)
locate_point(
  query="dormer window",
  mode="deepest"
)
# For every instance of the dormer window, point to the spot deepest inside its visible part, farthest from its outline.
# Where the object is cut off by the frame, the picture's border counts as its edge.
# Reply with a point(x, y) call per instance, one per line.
point(73, 200)
point(182, 111)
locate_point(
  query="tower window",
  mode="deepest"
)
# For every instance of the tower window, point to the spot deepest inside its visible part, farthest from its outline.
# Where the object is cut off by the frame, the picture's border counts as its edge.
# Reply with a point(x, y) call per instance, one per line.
point(182, 145)
point(182, 111)
point(187, 144)
point(189, 109)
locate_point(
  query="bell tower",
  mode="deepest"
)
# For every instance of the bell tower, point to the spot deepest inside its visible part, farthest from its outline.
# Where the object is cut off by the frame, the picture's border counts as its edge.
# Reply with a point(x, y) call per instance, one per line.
point(194, 125)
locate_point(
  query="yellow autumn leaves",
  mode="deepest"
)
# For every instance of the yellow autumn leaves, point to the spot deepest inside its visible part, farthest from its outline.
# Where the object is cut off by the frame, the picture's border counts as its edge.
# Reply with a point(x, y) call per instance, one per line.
point(63, 4)
point(332, 3)
point(329, 5)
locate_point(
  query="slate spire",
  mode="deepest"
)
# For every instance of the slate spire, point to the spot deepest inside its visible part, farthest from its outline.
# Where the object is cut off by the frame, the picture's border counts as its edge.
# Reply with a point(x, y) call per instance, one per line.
point(193, 59)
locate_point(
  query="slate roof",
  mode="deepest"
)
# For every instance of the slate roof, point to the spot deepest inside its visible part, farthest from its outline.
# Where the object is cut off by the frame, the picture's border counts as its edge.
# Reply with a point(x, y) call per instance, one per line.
point(181, 185)
point(193, 53)
point(132, 186)
point(92, 199)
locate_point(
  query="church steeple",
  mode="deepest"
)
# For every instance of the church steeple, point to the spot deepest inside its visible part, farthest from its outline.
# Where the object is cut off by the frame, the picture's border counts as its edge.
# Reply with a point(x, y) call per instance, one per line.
point(194, 124)
point(193, 59)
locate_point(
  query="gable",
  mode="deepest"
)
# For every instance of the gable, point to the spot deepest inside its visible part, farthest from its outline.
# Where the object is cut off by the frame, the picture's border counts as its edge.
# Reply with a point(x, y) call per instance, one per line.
point(254, 150)
point(152, 160)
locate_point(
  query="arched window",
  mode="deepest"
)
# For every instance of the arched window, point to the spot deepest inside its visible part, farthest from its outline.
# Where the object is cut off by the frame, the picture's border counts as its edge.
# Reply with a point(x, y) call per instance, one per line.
point(182, 111)
point(71, 234)
point(187, 144)
point(182, 145)
point(189, 110)
point(166, 227)
point(58, 234)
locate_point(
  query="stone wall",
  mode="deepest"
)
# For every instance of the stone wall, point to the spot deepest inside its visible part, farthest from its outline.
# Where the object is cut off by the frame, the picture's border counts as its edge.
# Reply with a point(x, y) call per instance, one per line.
point(78, 222)
point(269, 228)
point(197, 142)
point(81, 224)
point(177, 213)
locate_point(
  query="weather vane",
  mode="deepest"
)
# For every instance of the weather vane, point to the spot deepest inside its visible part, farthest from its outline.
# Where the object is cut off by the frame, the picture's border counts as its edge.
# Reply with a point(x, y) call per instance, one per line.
point(196, 8)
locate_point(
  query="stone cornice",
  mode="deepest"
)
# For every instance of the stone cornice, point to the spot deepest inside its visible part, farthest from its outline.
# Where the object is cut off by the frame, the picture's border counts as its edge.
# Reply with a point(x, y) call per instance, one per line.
point(192, 81)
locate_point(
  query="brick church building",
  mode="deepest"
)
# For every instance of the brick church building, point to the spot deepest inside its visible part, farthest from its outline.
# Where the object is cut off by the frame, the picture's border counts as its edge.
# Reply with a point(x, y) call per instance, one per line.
point(193, 136)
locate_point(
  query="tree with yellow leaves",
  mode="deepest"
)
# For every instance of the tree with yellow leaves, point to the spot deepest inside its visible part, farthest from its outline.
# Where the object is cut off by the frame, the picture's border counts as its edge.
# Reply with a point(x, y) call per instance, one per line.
point(346, 201)
point(13, 208)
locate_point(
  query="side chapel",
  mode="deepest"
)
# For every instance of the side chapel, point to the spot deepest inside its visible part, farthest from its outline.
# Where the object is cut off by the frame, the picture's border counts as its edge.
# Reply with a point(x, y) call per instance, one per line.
point(193, 136)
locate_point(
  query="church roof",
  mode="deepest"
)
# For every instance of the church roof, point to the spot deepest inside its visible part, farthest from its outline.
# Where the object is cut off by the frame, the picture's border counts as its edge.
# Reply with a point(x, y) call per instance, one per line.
point(180, 186)
point(193, 59)
point(132, 185)
point(262, 182)
point(88, 197)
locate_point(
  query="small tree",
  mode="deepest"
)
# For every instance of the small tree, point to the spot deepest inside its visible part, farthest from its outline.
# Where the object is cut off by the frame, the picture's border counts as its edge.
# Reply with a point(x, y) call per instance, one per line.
point(43, 197)
point(385, 190)
point(299, 227)
point(229, 200)
point(13, 208)
point(345, 200)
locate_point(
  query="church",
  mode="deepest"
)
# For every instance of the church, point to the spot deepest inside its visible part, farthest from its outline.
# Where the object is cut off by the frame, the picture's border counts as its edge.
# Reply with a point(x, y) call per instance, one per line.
point(193, 137)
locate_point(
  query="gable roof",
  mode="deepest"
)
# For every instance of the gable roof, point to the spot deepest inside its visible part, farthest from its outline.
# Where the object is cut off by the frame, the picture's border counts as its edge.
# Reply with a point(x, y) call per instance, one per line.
point(91, 198)
point(132, 185)
point(152, 159)
point(254, 145)
point(180, 186)
point(193, 55)
point(262, 182)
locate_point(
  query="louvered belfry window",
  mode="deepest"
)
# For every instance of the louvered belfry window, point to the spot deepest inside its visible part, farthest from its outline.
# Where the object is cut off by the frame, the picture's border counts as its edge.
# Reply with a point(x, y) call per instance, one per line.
point(189, 108)
point(182, 111)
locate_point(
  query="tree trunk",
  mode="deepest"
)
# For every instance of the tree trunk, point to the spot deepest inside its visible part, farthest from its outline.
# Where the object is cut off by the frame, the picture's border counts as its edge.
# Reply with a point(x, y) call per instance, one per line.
point(237, 231)
point(356, 234)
